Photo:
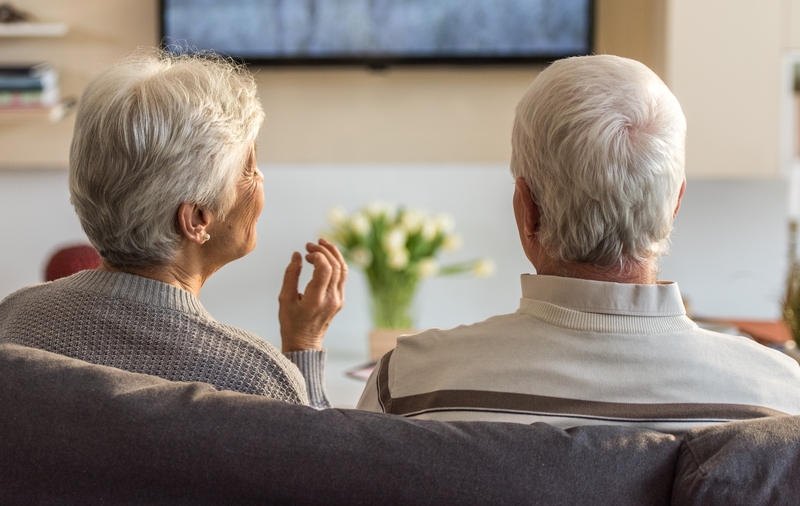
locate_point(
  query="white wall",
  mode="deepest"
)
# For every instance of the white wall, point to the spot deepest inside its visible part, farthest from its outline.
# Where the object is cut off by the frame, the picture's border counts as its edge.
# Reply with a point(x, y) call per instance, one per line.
point(729, 248)
point(728, 245)
point(37, 217)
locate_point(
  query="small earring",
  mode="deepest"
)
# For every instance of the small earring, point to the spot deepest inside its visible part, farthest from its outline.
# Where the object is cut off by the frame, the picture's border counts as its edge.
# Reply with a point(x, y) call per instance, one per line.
point(207, 237)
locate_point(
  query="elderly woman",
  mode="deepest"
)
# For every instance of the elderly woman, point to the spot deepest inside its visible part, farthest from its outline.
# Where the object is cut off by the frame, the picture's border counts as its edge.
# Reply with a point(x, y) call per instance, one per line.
point(164, 180)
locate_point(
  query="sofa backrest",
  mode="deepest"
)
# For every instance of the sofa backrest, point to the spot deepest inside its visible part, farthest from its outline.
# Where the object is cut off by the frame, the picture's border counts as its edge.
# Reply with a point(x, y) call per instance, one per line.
point(756, 462)
point(76, 433)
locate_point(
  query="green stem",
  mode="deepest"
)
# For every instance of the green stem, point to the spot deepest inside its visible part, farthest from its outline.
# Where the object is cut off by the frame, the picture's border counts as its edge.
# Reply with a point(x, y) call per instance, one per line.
point(449, 270)
point(392, 299)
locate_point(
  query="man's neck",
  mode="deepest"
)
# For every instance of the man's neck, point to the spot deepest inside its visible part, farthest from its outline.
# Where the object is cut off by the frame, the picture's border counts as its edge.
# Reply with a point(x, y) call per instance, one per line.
point(644, 274)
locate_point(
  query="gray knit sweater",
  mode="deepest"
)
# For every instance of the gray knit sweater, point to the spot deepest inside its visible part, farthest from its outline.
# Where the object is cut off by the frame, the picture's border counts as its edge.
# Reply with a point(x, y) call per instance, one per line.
point(146, 326)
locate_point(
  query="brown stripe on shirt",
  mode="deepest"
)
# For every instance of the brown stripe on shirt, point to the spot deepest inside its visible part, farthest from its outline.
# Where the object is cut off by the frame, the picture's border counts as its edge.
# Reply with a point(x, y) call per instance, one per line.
point(384, 396)
point(530, 404)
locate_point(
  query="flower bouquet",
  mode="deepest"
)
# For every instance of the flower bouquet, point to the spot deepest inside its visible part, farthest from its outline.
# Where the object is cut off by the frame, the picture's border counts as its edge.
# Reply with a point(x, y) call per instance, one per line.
point(396, 248)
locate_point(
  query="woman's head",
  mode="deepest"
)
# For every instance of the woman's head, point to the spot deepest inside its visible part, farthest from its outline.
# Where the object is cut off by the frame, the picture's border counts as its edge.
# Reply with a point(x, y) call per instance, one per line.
point(152, 132)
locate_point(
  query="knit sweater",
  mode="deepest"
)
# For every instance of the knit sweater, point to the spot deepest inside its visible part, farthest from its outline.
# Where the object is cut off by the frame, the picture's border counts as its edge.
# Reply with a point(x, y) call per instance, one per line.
point(146, 326)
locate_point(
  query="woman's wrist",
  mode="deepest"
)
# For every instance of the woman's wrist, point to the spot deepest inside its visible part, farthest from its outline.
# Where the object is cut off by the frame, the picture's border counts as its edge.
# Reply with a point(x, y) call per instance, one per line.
point(300, 344)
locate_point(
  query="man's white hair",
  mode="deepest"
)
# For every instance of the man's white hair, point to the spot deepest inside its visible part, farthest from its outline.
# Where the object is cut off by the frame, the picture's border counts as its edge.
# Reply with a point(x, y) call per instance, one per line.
point(154, 131)
point(600, 141)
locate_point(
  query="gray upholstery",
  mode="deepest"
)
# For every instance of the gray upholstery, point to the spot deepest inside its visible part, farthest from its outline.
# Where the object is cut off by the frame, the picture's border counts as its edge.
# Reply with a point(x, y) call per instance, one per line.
point(75, 433)
point(749, 463)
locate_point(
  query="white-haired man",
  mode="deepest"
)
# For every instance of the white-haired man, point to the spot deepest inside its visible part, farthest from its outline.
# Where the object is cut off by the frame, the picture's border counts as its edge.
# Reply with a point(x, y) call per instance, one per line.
point(598, 157)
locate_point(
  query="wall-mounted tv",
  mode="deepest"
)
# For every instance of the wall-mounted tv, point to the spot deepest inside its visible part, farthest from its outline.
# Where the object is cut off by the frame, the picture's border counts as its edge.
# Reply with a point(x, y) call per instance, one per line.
point(381, 32)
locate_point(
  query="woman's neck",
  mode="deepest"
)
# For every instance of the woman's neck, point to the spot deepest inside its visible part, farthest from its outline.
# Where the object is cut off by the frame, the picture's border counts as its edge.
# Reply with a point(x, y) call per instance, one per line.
point(172, 274)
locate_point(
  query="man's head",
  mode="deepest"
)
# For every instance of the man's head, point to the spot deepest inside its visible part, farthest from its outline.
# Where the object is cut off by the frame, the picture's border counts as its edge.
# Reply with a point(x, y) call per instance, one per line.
point(599, 141)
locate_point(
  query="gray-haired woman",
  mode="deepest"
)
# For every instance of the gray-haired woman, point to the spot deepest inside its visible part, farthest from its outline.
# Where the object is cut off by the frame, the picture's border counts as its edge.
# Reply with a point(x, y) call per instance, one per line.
point(164, 180)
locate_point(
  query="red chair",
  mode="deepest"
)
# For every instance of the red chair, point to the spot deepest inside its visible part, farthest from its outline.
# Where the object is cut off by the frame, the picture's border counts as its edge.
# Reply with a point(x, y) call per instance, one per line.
point(67, 261)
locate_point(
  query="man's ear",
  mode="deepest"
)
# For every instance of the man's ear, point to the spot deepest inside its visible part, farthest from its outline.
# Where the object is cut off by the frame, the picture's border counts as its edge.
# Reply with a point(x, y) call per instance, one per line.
point(680, 197)
point(531, 217)
point(193, 221)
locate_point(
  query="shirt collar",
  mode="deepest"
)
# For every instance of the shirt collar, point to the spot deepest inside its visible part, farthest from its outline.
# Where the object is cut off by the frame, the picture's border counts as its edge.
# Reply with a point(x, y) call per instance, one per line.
point(661, 299)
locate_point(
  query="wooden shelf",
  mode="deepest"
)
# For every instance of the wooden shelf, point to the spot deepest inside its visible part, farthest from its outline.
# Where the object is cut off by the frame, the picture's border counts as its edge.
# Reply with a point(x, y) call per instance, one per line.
point(12, 116)
point(53, 114)
point(33, 29)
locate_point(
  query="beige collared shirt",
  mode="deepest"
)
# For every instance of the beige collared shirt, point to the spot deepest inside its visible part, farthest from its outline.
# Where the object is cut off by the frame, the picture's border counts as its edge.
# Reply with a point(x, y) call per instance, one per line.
point(581, 352)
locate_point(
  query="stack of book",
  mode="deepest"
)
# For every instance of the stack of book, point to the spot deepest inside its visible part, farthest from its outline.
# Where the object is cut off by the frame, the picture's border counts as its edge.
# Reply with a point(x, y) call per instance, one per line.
point(28, 87)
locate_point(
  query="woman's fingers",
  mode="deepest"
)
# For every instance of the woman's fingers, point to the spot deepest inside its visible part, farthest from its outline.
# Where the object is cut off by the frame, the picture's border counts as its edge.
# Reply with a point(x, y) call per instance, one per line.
point(336, 267)
point(337, 283)
point(342, 265)
point(305, 317)
point(321, 278)
point(291, 279)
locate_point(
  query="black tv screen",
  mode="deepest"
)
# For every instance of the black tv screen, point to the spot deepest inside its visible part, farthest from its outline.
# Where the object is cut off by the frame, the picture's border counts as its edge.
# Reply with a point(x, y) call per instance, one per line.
point(380, 32)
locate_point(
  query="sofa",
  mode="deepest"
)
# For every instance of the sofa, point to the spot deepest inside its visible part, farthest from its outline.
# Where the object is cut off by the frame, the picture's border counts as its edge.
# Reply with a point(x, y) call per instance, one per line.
point(76, 433)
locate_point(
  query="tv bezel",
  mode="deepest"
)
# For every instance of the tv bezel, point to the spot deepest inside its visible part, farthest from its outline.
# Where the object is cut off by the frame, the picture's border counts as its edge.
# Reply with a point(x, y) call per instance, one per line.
point(378, 62)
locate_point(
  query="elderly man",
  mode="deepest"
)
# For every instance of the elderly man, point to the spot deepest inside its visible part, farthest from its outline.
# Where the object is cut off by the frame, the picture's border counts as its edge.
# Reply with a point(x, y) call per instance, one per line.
point(598, 157)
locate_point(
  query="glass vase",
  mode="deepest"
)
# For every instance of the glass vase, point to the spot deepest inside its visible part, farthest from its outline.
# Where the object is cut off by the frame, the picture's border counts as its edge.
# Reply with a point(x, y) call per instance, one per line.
point(393, 300)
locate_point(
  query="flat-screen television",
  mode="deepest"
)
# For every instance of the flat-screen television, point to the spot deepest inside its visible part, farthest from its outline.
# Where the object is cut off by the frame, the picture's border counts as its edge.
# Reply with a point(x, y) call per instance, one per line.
point(380, 32)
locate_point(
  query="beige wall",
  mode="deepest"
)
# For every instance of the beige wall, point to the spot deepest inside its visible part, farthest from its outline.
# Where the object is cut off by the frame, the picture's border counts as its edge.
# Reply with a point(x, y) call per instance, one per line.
point(633, 29)
point(724, 65)
point(442, 114)
point(402, 115)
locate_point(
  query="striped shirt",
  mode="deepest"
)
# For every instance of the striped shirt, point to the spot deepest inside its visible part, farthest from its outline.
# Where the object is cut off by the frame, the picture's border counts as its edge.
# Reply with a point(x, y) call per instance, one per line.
point(581, 352)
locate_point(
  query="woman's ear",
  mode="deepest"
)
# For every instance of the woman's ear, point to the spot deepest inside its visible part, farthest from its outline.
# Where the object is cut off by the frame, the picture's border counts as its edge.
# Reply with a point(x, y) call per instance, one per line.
point(193, 222)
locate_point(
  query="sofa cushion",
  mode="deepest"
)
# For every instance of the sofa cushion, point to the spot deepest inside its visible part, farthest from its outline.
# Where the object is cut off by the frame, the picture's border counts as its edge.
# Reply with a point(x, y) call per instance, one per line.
point(76, 433)
point(750, 463)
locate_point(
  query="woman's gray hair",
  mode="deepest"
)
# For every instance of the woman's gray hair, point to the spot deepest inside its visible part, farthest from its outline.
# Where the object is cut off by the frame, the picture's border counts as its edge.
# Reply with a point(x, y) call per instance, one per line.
point(600, 141)
point(154, 131)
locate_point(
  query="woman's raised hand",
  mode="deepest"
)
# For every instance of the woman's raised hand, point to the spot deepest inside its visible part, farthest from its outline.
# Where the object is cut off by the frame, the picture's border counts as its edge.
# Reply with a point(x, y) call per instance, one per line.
point(305, 317)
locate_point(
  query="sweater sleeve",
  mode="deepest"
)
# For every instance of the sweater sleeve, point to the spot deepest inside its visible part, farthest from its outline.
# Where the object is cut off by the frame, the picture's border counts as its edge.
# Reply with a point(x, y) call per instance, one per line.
point(312, 365)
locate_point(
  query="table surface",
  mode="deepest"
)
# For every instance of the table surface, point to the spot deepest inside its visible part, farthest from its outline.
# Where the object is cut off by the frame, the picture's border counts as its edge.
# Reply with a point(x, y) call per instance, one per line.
point(343, 391)
point(766, 332)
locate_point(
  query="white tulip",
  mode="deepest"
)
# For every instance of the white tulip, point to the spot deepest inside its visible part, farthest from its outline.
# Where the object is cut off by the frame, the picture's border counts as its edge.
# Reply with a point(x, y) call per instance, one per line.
point(395, 239)
point(360, 224)
point(374, 208)
point(452, 242)
point(398, 259)
point(413, 220)
point(429, 230)
point(483, 268)
point(337, 216)
point(377, 209)
point(428, 268)
point(361, 256)
point(445, 223)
